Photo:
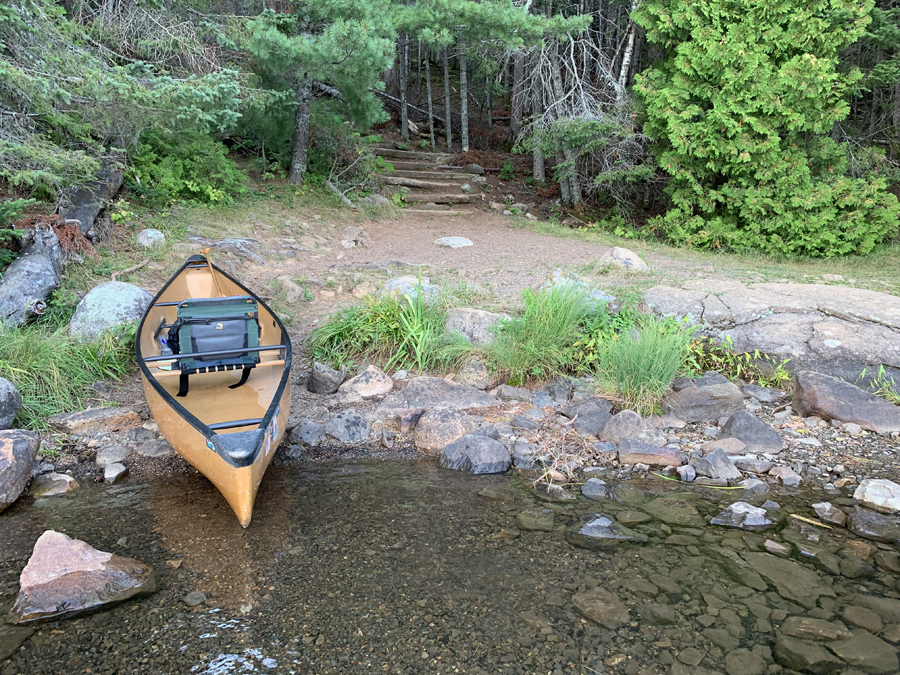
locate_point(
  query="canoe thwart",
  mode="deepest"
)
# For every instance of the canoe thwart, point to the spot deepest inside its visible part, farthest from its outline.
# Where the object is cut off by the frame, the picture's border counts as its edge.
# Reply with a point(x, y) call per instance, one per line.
point(205, 355)
point(233, 425)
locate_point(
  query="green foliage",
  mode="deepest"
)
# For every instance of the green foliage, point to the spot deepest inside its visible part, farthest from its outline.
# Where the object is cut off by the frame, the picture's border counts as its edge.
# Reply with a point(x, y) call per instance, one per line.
point(755, 368)
point(10, 210)
point(741, 109)
point(638, 365)
point(54, 373)
point(170, 168)
point(508, 170)
point(883, 385)
point(403, 333)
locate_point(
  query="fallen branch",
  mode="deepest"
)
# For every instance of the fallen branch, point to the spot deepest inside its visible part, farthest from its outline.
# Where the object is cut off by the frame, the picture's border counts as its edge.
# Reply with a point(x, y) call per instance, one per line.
point(340, 194)
point(133, 268)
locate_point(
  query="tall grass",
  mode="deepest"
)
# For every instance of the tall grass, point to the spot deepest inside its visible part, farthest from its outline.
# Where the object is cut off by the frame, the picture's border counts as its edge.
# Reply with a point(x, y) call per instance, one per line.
point(54, 373)
point(637, 365)
point(538, 344)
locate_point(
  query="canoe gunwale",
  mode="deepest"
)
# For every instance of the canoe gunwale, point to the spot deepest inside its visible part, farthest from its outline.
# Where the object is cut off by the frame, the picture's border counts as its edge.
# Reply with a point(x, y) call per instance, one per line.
point(211, 435)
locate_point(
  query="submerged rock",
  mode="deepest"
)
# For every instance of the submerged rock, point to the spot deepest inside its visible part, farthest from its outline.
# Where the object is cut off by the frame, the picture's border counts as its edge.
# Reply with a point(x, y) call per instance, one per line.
point(594, 488)
point(744, 516)
point(793, 581)
point(673, 511)
point(66, 577)
point(52, 485)
point(476, 453)
point(601, 606)
point(536, 520)
point(806, 657)
point(593, 530)
point(18, 450)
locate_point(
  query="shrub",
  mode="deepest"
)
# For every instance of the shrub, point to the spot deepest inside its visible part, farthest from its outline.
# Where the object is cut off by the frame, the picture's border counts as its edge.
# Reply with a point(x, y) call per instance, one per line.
point(710, 354)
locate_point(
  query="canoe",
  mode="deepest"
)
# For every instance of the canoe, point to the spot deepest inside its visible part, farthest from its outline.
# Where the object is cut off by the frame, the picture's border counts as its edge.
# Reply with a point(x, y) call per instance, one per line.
point(215, 363)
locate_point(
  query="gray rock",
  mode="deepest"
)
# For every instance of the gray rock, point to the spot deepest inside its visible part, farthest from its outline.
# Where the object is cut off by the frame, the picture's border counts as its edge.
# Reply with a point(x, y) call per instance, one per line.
point(587, 405)
point(11, 638)
point(602, 607)
point(194, 599)
point(439, 427)
point(156, 449)
point(66, 577)
point(85, 203)
point(830, 398)
point(114, 472)
point(658, 614)
point(594, 488)
point(430, 392)
point(625, 258)
point(629, 425)
point(744, 662)
point(744, 516)
point(854, 567)
point(508, 393)
point(409, 287)
point(521, 422)
point(477, 454)
point(150, 238)
point(106, 307)
point(829, 513)
point(52, 485)
point(550, 492)
point(525, 455)
point(704, 401)
point(793, 581)
point(453, 242)
point(10, 403)
point(590, 420)
point(887, 608)
point(369, 383)
point(763, 394)
point(475, 324)
point(806, 657)
point(756, 434)
point(348, 427)
point(809, 628)
point(687, 473)
point(731, 446)
point(879, 494)
point(376, 200)
point(112, 454)
point(874, 526)
point(675, 512)
point(862, 618)
point(868, 652)
point(18, 451)
point(325, 380)
point(785, 476)
point(536, 520)
point(473, 168)
point(31, 277)
point(716, 465)
point(752, 465)
point(94, 420)
point(596, 530)
point(635, 452)
point(476, 374)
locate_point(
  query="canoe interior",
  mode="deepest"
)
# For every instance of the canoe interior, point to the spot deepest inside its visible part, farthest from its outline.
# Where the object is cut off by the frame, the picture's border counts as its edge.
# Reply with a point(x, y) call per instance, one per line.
point(209, 398)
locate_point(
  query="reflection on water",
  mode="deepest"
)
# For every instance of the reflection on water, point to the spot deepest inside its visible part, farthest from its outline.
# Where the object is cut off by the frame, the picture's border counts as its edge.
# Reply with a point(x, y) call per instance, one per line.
point(403, 567)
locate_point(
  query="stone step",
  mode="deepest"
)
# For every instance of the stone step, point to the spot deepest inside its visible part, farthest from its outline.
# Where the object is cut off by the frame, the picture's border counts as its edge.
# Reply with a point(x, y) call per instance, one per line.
point(418, 198)
point(410, 155)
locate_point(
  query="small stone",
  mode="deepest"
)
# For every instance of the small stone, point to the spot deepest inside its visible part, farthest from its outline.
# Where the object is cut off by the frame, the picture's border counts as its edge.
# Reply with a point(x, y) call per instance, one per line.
point(868, 652)
point(807, 657)
point(637, 452)
point(156, 449)
point(744, 662)
point(594, 488)
point(194, 599)
point(150, 239)
point(52, 485)
point(752, 465)
point(348, 427)
point(756, 434)
point(602, 607)
point(775, 548)
point(731, 446)
point(786, 476)
point(716, 465)
point(862, 618)
point(626, 258)
point(744, 516)
point(325, 380)
point(111, 454)
point(536, 520)
point(829, 513)
point(687, 473)
point(114, 472)
point(691, 656)
point(852, 429)
point(808, 628)
point(594, 530)
point(369, 383)
point(453, 242)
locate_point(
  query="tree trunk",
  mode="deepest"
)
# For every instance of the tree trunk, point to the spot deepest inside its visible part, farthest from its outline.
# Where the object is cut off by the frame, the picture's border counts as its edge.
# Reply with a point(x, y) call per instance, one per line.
point(430, 105)
point(537, 153)
point(447, 125)
point(301, 132)
point(419, 79)
point(487, 99)
point(564, 184)
point(572, 183)
point(518, 95)
point(463, 103)
point(404, 86)
point(626, 57)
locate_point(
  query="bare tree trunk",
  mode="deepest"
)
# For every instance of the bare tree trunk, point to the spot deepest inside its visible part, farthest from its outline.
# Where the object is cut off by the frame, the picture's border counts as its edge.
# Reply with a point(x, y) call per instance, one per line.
point(564, 183)
point(430, 105)
point(626, 57)
point(301, 132)
point(518, 95)
point(537, 154)
point(404, 86)
point(447, 125)
point(464, 103)
point(487, 100)
point(419, 80)
point(574, 184)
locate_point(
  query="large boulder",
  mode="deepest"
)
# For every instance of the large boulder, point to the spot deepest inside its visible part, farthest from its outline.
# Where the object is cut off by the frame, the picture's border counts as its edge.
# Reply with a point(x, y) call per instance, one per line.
point(439, 427)
point(10, 403)
point(18, 450)
point(833, 399)
point(150, 239)
point(431, 392)
point(704, 399)
point(66, 577)
point(879, 494)
point(753, 432)
point(476, 453)
point(475, 324)
point(31, 277)
point(106, 307)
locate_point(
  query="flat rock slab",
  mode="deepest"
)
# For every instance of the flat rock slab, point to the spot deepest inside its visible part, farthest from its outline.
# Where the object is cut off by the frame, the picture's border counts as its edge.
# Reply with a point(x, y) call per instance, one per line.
point(348, 427)
point(477, 454)
point(636, 452)
point(879, 494)
point(793, 581)
point(830, 398)
point(701, 402)
point(673, 511)
point(806, 657)
point(536, 520)
point(95, 419)
point(18, 450)
point(66, 577)
point(602, 607)
point(596, 530)
point(865, 651)
point(809, 628)
point(432, 392)
point(452, 242)
point(874, 526)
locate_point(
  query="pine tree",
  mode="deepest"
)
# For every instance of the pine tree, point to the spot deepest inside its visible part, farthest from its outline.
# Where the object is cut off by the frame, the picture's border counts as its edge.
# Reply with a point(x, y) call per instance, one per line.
point(742, 109)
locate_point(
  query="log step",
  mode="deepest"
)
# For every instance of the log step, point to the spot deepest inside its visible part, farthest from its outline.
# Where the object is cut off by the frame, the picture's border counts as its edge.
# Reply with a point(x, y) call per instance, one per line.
point(429, 175)
point(416, 198)
point(412, 183)
point(409, 155)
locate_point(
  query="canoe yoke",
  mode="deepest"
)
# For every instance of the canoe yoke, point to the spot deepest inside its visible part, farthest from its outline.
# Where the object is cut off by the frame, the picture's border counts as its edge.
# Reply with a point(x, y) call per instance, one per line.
point(214, 335)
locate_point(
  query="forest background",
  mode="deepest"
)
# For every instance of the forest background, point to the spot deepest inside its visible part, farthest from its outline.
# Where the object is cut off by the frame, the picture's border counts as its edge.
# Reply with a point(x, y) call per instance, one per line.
point(723, 124)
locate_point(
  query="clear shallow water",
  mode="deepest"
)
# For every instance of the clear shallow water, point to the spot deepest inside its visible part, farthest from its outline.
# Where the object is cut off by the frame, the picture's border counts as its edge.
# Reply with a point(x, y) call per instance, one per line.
point(401, 567)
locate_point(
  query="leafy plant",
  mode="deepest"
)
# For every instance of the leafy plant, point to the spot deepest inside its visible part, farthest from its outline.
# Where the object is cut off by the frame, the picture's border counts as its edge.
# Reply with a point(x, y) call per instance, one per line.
point(707, 354)
point(883, 385)
point(508, 170)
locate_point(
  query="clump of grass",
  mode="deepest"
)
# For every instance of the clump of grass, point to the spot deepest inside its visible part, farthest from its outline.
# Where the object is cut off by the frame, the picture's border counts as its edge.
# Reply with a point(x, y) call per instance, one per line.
point(404, 332)
point(707, 354)
point(538, 344)
point(637, 365)
point(54, 373)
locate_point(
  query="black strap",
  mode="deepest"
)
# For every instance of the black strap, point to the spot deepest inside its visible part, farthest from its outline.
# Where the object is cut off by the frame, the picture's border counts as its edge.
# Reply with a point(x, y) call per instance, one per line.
point(182, 385)
point(244, 375)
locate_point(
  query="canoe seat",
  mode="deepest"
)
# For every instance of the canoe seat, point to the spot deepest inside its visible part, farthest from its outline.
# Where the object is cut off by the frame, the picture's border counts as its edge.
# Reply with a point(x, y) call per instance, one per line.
point(205, 331)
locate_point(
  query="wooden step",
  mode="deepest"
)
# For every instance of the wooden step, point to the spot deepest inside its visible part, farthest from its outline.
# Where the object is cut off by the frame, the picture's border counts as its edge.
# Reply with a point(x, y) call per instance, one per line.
point(417, 198)
point(388, 179)
point(429, 175)
point(433, 212)
point(409, 155)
